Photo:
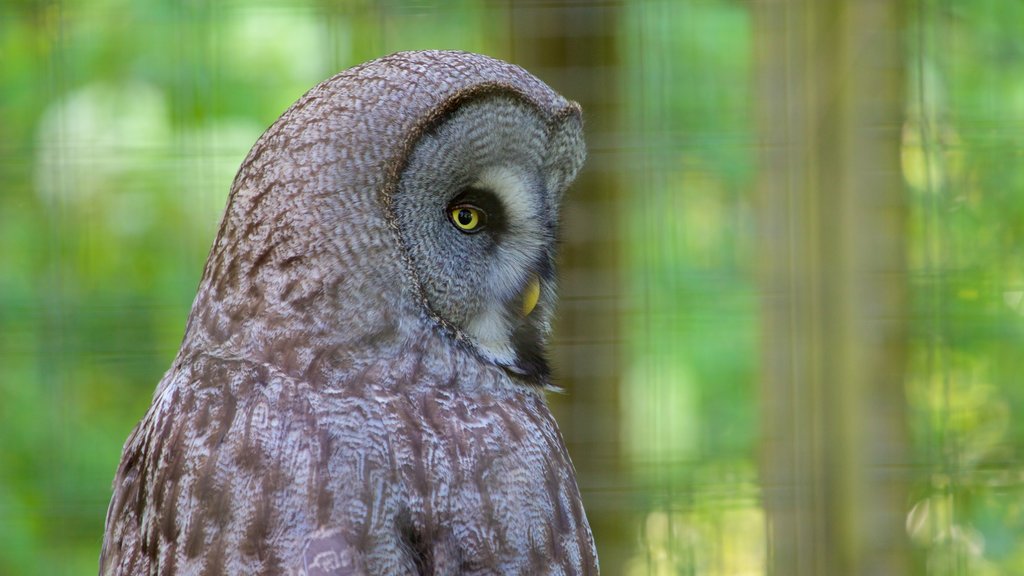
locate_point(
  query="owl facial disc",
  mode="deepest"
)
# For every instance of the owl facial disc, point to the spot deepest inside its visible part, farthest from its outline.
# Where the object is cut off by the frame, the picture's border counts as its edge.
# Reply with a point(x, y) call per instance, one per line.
point(477, 207)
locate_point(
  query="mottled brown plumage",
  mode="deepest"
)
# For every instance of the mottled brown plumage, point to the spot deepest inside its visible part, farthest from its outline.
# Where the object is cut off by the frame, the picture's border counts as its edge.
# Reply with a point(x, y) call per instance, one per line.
point(355, 392)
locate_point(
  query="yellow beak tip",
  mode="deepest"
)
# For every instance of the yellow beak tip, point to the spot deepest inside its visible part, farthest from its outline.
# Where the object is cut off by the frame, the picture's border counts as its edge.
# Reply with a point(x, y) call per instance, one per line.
point(530, 296)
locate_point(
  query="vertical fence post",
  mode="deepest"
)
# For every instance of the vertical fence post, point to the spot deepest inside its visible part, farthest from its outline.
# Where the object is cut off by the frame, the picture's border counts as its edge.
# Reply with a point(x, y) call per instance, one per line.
point(832, 221)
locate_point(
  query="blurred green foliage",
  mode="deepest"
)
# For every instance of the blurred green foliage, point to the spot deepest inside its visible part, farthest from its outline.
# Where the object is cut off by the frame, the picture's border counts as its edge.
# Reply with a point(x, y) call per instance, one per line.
point(963, 146)
point(121, 126)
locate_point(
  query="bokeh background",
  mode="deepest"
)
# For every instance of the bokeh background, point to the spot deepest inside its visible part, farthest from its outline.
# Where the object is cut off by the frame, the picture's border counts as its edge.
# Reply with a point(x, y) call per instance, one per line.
point(792, 325)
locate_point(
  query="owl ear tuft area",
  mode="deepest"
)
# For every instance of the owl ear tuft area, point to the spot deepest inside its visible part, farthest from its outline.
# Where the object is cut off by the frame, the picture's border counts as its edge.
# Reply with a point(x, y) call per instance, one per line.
point(566, 148)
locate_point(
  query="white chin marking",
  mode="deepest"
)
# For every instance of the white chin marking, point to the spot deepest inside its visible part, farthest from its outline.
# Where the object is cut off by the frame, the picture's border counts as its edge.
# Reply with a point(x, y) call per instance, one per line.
point(491, 330)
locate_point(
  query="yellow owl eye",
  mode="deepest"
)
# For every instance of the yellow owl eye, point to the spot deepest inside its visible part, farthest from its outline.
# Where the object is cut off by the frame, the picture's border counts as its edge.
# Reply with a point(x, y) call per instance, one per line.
point(467, 218)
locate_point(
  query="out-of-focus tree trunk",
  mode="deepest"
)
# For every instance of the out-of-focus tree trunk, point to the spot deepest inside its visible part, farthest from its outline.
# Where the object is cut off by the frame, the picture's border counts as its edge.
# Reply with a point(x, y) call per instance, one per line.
point(832, 210)
point(573, 47)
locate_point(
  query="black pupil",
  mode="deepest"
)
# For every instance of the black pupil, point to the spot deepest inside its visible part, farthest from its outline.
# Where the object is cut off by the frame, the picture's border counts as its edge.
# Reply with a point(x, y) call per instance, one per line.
point(465, 216)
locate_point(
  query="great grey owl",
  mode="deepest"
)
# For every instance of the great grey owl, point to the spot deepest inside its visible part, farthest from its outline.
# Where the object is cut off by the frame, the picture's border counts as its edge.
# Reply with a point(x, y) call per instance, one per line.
point(360, 389)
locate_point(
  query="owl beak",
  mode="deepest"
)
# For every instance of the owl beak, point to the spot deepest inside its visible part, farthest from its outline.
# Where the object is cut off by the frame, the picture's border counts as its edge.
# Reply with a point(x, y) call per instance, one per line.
point(531, 295)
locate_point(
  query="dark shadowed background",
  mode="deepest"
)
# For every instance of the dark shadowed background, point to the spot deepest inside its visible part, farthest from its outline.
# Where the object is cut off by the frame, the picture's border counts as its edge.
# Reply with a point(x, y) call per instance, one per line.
point(792, 322)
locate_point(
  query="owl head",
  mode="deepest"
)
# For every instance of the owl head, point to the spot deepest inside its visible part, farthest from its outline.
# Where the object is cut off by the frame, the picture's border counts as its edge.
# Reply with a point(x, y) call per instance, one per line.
point(420, 191)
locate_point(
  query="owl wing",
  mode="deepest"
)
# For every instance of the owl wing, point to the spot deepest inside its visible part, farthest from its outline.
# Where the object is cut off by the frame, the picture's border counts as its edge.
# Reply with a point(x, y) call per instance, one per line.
point(121, 542)
point(224, 475)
